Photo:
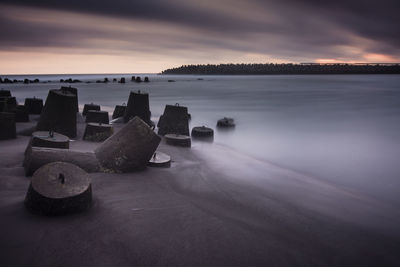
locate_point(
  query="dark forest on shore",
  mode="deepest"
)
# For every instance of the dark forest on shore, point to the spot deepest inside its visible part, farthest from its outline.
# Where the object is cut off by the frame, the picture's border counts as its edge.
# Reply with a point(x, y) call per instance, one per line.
point(303, 68)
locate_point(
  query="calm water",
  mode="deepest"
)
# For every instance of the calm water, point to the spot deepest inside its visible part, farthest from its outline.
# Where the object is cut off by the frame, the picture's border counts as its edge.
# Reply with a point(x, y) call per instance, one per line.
point(344, 129)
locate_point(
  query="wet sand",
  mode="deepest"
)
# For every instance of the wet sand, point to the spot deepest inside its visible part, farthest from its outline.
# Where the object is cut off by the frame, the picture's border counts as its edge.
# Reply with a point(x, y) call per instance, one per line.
point(213, 207)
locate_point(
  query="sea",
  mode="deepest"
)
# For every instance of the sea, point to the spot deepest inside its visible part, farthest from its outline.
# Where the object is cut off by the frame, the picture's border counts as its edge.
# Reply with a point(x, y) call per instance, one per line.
point(341, 129)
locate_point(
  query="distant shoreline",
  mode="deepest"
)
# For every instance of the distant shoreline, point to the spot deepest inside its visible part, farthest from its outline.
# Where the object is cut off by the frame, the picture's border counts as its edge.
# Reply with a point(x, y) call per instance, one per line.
point(286, 69)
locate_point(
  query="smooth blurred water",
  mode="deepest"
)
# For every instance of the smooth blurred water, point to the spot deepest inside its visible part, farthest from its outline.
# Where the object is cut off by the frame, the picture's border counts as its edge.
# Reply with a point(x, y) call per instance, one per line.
point(344, 129)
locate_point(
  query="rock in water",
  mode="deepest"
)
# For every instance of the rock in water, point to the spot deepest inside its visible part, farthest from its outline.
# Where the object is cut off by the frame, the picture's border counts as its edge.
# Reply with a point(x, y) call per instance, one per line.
point(59, 113)
point(174, 120)
point(178, 140)
point(130, 149)
point(59, 188)
point(97, 116)
point(7, 126)
point(34, 105)
point(97, 132)
point(88, 107)
point(73, 91)
point(119, 111)
point(138, 105)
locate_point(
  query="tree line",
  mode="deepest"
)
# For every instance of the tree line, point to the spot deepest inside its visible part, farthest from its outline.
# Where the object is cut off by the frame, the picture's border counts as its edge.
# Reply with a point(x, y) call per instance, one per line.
point(303, 68)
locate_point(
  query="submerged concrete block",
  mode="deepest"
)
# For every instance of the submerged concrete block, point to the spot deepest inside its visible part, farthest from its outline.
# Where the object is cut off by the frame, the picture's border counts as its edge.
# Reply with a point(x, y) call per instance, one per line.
point(34, 105)
point(138, 105)
point(59, 113)
point(59, 188)
point(97, 116)
point(174, 120)
point(160, 159)
point(130, 149)
point(7, 126)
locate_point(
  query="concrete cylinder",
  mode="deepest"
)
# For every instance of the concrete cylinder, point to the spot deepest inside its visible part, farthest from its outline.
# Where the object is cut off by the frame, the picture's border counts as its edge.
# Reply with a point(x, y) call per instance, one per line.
point(97, 116)
point(178, 140)
point(97, 132)
point(59, 188)
point(34, 105)
point(130, 149)
point(7, 126)
point(36, 157)
point(88, 107)
point(202, 132)
point(59, 113)
point(49, 139)
point(174, 120)
point(226, 122)
point(138, 105)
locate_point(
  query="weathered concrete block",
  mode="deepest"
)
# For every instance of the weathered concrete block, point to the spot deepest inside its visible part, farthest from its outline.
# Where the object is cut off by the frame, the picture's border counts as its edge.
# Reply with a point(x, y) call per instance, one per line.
point(138, 105)
point(48, 139)
point(59, 188)
point(21, 114)
point(34, 105)
point(174, 120)
point(119, 111)
point(10, 103)
point(7, 126)
point(5, 93)
point(73, 91)
point(202, 131)
point(97, 116)
point(97, 132)
point(36, 157)
point(129, 149)
point(88, 107)
point(59, 113)
point(178, 140)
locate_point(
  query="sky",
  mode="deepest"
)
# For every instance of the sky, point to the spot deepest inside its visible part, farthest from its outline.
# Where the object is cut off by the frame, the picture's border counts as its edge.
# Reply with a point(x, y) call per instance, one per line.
point(136, 36)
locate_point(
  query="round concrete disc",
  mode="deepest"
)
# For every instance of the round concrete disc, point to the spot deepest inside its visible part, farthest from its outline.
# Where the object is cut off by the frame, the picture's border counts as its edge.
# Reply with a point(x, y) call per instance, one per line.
point(43, 139)
point(202, 132)
point(160, 159)
point(58, 188)
point(178, 140)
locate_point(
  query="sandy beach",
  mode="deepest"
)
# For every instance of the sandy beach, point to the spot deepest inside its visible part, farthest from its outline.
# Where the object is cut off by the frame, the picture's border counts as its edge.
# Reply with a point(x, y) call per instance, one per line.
point(200, 212)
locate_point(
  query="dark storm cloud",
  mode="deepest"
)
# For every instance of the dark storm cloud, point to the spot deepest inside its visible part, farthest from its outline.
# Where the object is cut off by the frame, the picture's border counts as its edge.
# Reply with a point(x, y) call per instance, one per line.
point(286, 27)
